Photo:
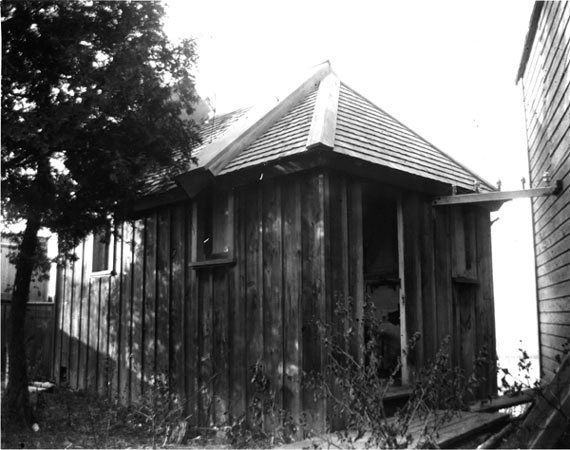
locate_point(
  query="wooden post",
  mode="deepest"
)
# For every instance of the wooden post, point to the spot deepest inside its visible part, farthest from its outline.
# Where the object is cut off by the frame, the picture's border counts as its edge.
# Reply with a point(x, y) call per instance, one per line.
point(402, 295)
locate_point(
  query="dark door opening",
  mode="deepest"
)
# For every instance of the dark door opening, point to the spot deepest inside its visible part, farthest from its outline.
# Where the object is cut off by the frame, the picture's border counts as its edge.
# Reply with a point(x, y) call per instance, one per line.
point(382, 282)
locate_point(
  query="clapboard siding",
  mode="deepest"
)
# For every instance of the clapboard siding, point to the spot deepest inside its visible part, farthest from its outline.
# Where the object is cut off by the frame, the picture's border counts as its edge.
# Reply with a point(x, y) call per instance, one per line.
point(546, 89)
point(298, 249)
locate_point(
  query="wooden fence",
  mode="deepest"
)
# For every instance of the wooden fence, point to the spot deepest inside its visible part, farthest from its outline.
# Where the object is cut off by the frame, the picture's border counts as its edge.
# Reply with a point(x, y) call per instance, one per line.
point(39, 338)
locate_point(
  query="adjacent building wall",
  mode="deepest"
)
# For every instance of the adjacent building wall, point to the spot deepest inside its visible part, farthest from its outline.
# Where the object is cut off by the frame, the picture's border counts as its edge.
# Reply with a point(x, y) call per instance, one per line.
point(545, 80)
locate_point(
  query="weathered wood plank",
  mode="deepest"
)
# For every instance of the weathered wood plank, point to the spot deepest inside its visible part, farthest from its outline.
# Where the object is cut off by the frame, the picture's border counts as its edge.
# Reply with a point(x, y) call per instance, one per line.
point(427, 270)
point(556, 247)
point(137, 325)
point(75, 317)
point(84, 317)
point(58, 326)
point(254, 280)
point(412, 263)
point(114, 312)
point(292, 318)
point(313, 288)
point(560, 330)
point(548, 419)
point(272, 288)
point(557, 275)
point(220, 354)
point(207, 375)
point(553, 124)
point(553, 353)
point(555, 342)
point(404, 350)
point(484, 307)
point(237, 314)
point(163, 293)
point(560, 304)
point(149, 333)
point(337, 241)
point(560, 317)
point(458, 243)
point(466, 333)
point(444, 287)
point(191, 316)
point(543, 245)
point(556, 290)
point(554, 84)
point(103, 370)
point(177, 281)
point(356, 262)
point(94, 314)
point(125, 349)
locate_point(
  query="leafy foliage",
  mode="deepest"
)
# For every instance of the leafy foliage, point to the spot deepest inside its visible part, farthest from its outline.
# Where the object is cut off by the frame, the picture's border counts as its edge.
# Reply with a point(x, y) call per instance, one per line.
point(95, 91)
point(355, 384)
point(94, 98)
point(161, 413)
point(266, 424)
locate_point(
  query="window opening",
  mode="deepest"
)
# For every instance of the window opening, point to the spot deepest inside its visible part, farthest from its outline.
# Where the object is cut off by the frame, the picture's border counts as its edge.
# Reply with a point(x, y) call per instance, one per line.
point(101, 250)
point(215, 225)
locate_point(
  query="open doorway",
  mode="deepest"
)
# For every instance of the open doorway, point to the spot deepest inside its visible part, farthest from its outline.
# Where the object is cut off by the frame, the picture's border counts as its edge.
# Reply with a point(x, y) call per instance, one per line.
point(381, 278)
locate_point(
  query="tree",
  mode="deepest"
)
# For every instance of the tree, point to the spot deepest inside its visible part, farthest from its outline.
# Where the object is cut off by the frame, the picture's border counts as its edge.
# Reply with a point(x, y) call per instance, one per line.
point(94, 97)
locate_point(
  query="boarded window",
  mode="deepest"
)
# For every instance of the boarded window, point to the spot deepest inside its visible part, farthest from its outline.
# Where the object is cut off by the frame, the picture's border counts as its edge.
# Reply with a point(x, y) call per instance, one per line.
point(101, 246)
point(464, 243)
point(215, 225)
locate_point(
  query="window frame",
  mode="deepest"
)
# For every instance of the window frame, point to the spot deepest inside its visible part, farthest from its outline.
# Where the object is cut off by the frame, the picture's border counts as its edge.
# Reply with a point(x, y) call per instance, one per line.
point(110, 268)
point(203, 229)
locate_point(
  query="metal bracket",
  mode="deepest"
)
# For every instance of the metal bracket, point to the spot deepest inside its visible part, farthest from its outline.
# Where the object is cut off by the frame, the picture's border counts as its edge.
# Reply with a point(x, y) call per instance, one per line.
point(499, 196)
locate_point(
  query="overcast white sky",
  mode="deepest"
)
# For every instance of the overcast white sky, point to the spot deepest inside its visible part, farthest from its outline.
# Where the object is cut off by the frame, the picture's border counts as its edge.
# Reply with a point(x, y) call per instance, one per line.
point(445, 69)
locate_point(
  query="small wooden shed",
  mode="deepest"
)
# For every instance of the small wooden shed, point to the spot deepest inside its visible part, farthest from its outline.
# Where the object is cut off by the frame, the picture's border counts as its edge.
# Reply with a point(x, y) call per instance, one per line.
point(290, 206)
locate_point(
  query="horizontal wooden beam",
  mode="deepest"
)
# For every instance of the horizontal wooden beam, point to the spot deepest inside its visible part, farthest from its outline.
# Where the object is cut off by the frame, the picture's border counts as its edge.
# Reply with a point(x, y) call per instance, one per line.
point(505, 401)
point(485, 197)
point(208, 263)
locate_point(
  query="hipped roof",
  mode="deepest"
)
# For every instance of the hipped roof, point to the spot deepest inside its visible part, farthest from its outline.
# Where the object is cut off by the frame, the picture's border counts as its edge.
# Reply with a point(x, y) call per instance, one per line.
point(321, 112)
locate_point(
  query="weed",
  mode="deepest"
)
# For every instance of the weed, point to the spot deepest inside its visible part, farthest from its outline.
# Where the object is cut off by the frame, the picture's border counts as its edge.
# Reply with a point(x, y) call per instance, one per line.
point(161, 413)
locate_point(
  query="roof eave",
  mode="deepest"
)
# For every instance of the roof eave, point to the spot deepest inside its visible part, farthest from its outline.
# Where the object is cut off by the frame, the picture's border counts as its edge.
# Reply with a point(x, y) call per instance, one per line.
point(529, 40)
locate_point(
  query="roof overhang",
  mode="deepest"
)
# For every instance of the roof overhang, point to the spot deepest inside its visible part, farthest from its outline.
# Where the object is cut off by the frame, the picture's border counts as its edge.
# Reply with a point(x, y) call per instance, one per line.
point(529, 40)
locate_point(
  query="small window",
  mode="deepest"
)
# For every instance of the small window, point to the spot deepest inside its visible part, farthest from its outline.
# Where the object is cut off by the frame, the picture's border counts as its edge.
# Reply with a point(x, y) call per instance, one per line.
point(101, 250)
point(215, 225)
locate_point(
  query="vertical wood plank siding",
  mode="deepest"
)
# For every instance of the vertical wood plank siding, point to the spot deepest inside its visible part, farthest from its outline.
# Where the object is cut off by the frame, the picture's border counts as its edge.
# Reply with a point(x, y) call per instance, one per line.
point(298, 244)
point(546, 91)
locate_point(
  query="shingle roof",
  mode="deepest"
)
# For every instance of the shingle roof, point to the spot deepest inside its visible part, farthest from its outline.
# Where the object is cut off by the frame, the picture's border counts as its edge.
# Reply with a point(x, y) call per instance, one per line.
point(287, 136)
point(367, 132)
point(322, 111)
point(163, 179)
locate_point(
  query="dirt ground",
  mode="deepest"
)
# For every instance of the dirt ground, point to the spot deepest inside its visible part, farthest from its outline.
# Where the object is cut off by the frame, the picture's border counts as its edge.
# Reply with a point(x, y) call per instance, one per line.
point(80, 420)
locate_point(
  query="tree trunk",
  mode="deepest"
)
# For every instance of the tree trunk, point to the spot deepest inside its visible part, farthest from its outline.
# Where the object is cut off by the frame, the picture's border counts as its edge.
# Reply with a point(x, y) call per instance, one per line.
point(17, 397)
